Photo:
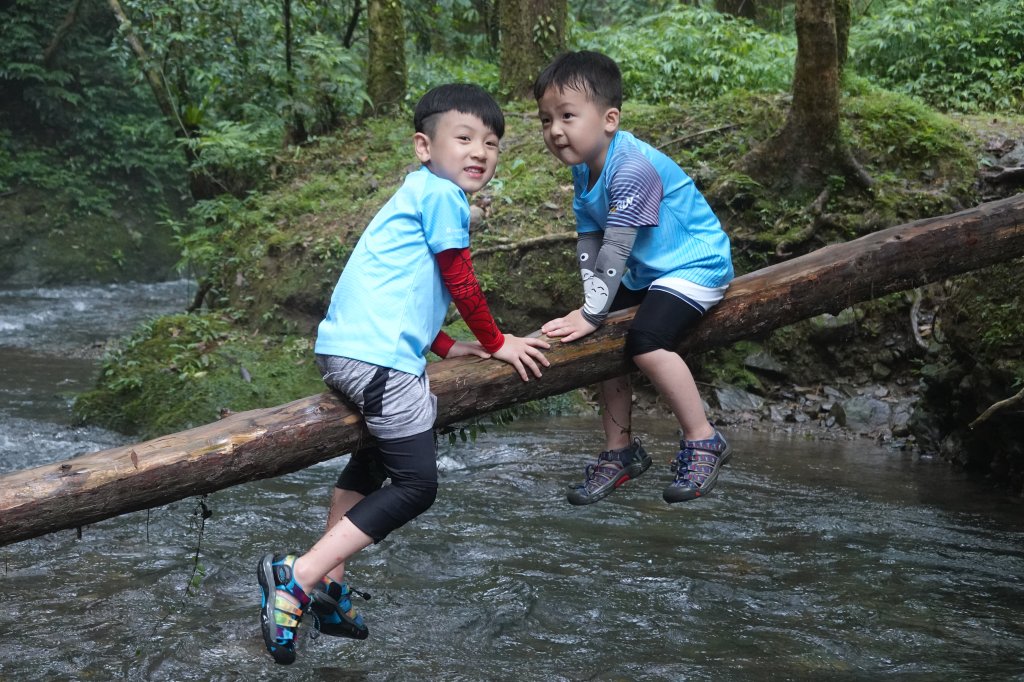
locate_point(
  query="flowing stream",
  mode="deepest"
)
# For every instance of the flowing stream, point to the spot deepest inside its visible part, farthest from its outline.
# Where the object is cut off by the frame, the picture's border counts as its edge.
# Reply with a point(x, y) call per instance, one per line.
point(812, 560)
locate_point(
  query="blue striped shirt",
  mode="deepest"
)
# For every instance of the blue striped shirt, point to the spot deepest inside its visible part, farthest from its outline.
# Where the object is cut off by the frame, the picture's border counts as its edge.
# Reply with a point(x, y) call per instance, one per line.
point(678, 236)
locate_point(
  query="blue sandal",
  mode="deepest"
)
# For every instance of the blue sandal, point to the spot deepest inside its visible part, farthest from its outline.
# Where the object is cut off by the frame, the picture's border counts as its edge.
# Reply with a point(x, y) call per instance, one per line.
point(279, 617)
point(332, 607)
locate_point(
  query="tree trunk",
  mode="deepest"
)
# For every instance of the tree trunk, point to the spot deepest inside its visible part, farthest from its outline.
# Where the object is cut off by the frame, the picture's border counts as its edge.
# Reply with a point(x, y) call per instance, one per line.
point(386, 76)
point(295, 130)
point(353, 22)
point(809, 147)
point(153, 75)
point(50, 53)
point(746, 9)
point(843, 19)
point(273, 441)
point(532, 32)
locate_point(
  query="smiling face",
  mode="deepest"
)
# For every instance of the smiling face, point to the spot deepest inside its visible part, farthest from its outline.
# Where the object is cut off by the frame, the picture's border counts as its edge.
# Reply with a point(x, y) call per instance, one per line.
point(576, 129)
point(461, 149)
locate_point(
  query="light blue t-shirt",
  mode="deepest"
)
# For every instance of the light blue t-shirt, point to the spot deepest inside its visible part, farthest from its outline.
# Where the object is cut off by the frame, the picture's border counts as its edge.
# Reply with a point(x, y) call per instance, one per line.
point(390, 301)
point(678, 234)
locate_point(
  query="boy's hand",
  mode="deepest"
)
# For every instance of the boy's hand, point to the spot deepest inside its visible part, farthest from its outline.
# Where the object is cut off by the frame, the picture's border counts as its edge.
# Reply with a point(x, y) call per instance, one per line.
point(461, 348)
point(523, 353)
point(569, 328)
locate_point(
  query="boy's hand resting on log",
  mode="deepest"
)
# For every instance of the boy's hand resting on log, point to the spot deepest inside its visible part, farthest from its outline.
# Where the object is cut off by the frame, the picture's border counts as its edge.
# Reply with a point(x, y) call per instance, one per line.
point(569, 328)
point(524, 354)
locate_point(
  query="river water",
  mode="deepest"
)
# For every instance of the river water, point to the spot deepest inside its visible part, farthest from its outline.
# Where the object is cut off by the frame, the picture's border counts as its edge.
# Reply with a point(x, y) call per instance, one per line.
point(812, 560)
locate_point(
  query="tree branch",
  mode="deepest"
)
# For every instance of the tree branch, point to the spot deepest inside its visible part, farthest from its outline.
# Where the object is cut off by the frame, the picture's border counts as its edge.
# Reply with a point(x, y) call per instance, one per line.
point(1012, 400)
point(699, 133)
point(65, 26)
point(529, 244)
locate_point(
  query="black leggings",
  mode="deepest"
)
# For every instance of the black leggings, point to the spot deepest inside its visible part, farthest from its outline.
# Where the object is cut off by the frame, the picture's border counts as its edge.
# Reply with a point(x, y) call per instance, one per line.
point(410, 463)
point(661, 322)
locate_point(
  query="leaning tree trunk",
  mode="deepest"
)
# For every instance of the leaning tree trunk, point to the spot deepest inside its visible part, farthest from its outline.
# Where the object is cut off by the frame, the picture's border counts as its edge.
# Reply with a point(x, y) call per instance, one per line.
point(532, 32)
point(273, 441)
point(386, 78)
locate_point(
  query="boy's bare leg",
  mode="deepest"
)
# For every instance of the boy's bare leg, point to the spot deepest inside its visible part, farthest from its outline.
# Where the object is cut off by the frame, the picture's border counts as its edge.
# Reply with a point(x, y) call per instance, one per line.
point(341, 502)
point(670, 375)
point(617, 403)
point(338, 544)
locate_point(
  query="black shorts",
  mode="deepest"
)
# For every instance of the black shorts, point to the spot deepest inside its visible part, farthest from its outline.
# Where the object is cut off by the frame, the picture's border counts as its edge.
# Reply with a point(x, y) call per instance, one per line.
point(662, 321)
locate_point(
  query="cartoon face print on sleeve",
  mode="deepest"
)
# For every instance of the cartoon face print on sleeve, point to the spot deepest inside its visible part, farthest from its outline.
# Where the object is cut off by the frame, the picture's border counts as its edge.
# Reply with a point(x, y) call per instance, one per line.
point(595, 291)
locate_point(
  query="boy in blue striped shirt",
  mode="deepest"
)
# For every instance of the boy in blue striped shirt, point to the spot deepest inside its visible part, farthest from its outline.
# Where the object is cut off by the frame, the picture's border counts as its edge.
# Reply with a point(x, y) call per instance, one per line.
point(645, 236)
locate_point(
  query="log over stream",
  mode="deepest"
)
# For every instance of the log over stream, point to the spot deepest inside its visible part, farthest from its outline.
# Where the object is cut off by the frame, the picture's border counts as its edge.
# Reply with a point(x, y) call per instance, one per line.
point(276, 440)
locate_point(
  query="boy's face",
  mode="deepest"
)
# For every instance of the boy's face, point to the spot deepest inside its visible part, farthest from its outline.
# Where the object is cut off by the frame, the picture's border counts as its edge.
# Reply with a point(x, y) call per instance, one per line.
point(462, 150)
point(576, 129)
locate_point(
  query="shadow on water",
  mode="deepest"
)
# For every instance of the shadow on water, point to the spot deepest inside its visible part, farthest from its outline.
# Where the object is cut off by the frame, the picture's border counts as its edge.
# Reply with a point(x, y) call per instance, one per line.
point(811, 560)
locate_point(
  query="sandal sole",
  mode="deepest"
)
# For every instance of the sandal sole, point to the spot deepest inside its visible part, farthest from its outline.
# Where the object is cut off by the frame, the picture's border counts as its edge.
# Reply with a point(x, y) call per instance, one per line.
point(265, 576)
point(578, 498)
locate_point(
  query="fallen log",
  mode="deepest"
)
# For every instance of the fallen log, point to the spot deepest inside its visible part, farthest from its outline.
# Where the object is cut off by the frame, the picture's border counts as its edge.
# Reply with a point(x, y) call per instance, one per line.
point(269, 442)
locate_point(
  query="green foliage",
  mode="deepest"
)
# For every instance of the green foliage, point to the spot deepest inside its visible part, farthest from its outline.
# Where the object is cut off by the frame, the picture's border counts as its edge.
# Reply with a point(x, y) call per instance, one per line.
point(592, 14)
point(960, 55)
point(180, 371)
point(987, 321)
point(726, 366)
point(457, 29)
point(900, 134)
point(228, 81)
point(77, 127)
point(235, 155)
point(693, 53)
point(435, 69)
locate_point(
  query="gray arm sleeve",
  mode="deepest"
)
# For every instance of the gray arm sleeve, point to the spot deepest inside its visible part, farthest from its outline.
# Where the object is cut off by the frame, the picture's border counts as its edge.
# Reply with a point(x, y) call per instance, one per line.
point(601, 282)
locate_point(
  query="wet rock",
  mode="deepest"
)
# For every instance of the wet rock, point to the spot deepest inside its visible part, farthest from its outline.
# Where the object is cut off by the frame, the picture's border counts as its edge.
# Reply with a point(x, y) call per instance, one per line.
point(733, 399)
point(765, 364)
point(834, 393)
point(864, 414)
point(901, 415)
point(830, 328)
point(1014, 157)
point(837, 414)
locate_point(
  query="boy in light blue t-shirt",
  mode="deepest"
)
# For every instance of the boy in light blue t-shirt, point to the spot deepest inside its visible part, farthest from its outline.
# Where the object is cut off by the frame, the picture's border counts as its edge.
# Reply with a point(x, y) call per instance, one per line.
point(646, 237)
point(385, 314)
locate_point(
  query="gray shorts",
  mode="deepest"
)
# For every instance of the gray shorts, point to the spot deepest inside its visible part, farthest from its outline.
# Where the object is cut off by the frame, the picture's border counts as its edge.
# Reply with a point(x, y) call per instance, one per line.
point(393, 404)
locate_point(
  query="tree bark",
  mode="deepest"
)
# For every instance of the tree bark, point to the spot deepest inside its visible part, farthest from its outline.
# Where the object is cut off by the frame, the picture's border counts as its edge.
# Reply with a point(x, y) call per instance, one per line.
point(353, 22)
point(276, 440)
point(50, 53)
point(153, 76)
point(532, 32)
point(810, 147)
point(386, 77)
point(295, 130)
point(746, 9)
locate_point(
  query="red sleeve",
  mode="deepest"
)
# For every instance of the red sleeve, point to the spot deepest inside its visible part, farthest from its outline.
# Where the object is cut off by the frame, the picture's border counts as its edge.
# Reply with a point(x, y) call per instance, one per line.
point(457, 273)
point(442, 344)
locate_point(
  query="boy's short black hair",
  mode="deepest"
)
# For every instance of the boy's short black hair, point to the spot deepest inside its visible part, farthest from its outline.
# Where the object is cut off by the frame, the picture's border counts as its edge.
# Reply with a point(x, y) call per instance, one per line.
point(462, 97)
point(592, 73)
